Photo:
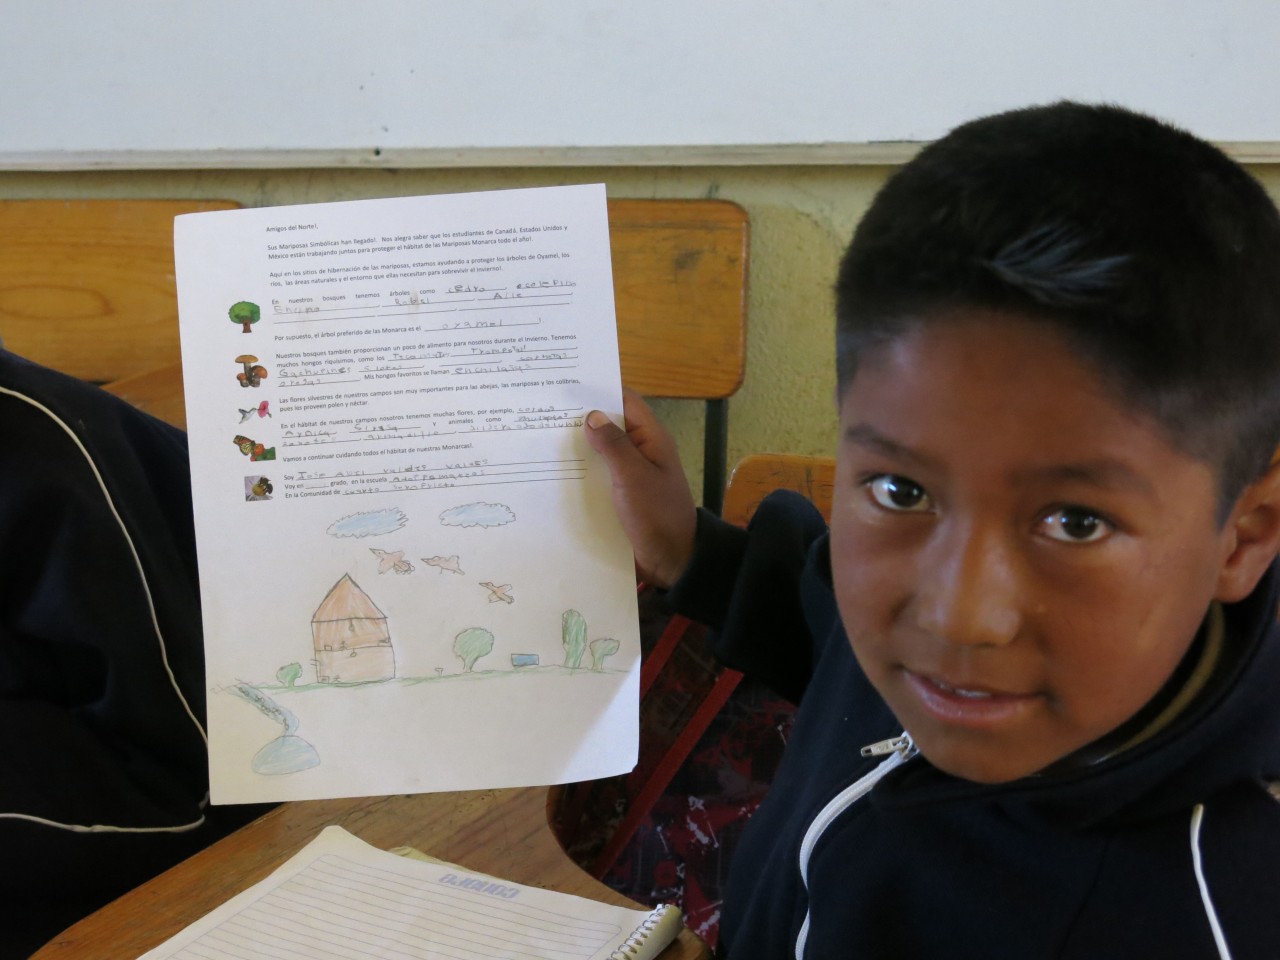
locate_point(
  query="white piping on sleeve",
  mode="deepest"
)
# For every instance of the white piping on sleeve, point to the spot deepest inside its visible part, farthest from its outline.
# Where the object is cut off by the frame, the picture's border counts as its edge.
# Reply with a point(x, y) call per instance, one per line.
point(102, 827)
point(155, 626)
point(1197, 815)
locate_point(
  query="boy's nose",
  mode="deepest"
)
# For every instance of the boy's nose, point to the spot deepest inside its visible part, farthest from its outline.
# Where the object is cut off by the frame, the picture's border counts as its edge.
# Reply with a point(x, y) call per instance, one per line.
point(967, 592)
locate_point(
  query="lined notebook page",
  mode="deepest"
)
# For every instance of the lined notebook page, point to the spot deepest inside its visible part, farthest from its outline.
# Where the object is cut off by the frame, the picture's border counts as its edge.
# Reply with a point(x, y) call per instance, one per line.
point(340, 899)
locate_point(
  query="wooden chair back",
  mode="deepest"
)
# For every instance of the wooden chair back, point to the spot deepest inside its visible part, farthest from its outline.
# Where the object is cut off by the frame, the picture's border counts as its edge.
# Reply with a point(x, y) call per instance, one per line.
point(87, 287)
point(680, 289)
point(755, 477)
point(680, 293)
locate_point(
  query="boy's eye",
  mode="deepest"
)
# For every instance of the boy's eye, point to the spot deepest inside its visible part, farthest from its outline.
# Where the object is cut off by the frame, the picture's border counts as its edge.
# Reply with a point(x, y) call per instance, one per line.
point(898, 493)
point(1075, 525)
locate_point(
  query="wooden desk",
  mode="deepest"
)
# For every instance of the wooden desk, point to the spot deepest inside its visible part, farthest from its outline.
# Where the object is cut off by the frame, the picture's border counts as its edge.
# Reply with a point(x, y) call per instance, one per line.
point(504, 832)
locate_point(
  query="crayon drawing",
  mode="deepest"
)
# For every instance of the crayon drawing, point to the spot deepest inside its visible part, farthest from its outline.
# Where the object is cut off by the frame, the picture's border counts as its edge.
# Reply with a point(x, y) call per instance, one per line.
point(498, 593)
point(351, 637)
point(369, 523)
point(391, 560)
point(452, 564)
point(472, 644)
point(287, 753)
point(477, 514)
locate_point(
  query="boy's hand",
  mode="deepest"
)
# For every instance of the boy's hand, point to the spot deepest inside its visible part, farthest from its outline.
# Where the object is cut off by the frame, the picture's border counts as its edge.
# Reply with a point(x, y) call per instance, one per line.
point(650, 492)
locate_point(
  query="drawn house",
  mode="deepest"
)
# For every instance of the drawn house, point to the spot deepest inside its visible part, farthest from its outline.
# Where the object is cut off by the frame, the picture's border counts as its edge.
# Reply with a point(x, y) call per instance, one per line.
point(350, 634)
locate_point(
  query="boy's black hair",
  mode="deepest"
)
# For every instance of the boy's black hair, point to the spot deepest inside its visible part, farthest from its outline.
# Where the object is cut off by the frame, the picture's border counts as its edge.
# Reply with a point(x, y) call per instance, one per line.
point(1151, 250)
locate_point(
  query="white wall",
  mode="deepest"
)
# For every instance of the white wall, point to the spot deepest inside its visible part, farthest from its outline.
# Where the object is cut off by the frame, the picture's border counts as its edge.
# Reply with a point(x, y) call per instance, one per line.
point(391, 83)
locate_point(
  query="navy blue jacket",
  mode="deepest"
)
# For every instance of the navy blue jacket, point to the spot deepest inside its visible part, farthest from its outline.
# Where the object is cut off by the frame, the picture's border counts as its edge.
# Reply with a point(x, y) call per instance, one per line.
point(103, 776)
point(1089, 862)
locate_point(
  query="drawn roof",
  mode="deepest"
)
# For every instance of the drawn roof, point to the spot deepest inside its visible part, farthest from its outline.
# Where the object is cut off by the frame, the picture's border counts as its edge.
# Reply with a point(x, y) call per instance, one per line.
point(346, 601)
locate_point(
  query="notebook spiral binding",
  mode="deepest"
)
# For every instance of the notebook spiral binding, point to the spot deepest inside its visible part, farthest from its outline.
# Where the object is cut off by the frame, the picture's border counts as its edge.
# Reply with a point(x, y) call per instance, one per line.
point(634, 944)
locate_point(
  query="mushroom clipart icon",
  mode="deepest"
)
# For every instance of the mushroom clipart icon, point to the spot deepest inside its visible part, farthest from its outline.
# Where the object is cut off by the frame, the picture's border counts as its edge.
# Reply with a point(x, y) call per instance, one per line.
point(252, 375)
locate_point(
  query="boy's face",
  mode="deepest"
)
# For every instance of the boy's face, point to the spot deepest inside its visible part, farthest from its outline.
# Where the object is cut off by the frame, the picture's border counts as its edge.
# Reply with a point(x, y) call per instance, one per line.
point(1019, 560)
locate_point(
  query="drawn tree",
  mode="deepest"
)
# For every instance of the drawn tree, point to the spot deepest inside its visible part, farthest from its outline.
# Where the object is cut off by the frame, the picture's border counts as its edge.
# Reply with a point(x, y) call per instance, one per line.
point(602, 648)
point(472, 644)
point(573, 634)
point(245, 314)
point(289, 674)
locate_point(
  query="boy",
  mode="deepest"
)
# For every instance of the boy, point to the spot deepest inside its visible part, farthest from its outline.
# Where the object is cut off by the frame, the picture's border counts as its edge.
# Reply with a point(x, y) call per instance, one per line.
point(1049, 563)
point(105, 780)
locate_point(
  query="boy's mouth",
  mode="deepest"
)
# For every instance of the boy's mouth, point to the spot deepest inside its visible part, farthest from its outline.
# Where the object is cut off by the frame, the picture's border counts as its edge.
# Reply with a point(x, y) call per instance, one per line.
point(972, 694)
point(966, 703)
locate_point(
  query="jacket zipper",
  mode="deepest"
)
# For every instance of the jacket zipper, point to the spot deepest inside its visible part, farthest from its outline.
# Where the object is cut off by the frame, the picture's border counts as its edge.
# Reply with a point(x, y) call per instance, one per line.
point(899, 750)
point(892, 745)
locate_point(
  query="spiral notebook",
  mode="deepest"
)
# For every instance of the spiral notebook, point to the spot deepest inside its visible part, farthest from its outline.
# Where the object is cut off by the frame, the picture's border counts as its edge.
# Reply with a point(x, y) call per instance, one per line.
point(339, 897)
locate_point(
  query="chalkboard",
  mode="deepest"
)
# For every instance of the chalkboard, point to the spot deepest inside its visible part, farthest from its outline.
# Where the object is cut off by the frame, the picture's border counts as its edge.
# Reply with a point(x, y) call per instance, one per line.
point(92, 83)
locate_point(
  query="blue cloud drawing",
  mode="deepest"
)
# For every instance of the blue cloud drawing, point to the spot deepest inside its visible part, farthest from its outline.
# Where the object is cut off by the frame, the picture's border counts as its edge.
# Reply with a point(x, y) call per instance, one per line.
point(371, 523)
point(477, 515)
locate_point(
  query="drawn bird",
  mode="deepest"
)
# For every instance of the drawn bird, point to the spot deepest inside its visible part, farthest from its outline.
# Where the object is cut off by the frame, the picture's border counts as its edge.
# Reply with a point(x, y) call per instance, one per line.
point(444, 563)
point(497, 593)
point(391, 560)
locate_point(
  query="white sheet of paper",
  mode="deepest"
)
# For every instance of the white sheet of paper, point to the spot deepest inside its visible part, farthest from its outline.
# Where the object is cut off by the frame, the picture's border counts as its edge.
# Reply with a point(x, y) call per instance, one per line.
point(411, 573)
point(340, 897)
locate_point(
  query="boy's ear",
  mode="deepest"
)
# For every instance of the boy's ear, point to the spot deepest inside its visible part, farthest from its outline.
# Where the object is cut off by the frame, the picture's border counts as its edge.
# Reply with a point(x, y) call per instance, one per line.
point(1254, 527)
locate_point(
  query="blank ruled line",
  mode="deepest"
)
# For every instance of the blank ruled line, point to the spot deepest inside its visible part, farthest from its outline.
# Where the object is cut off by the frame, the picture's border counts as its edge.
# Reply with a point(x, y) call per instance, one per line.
point(329, 866)
point(465, 905)
point(418, 921)
point(325, 936)
point(513, 306)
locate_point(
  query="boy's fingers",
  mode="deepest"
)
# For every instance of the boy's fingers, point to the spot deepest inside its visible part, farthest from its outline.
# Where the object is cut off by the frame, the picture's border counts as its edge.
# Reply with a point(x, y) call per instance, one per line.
point(610, 441)
point(649, 488)
point(603, 434)
point(599, 421)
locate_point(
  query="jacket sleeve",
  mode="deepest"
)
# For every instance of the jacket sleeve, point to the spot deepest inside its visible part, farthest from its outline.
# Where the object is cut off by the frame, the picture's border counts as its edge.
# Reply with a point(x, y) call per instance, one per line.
point(104, 781)
point(748, 586)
